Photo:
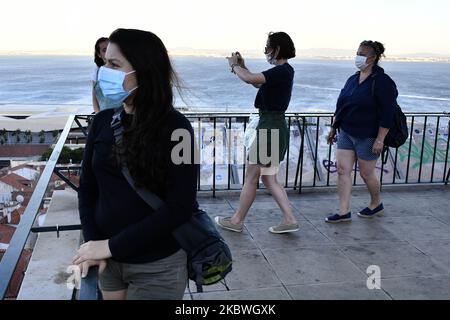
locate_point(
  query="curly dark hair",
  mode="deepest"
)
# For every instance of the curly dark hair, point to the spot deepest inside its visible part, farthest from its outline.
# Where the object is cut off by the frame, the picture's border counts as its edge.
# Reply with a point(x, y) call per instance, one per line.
point(97, 58)
point(376, 47)
point(146, 141)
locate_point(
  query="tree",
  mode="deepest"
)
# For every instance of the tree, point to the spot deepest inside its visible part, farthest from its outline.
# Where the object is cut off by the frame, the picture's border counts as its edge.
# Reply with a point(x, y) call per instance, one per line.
point(77, 155)
point(17, 134)
point(42, 136)
point(28, 136)
point(46, 155)
point(66, 155)
point(4, 134)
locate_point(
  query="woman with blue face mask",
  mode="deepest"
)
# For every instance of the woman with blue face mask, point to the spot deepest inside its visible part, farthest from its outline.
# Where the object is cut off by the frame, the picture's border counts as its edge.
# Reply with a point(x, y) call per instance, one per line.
point(131, 243)
point(364, 114)
point(272, 133)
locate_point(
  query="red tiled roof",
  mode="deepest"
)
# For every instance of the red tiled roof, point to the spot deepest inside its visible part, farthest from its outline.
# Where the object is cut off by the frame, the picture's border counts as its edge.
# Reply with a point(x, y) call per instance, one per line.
point(15, 217)
point(17, 214)
point(16, 181)
point(19, 273)
point(22, 150)
point(20, 210)
point(6, 233)
point(3, 220)
point(4, 172)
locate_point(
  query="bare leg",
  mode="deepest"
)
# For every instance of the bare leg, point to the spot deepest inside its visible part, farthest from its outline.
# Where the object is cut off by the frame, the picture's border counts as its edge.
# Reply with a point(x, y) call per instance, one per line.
point(114, 295)
point(345, 163)
point(280, 196)
point(248, 193)
point(367, 172)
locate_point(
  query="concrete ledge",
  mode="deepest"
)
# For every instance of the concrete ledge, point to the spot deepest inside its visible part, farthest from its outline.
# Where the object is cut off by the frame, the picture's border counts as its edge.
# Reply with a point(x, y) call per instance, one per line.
point(45, 278)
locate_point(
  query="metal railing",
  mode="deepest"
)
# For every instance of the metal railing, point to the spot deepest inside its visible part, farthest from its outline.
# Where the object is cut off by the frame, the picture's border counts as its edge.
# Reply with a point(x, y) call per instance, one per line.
point(310, 162)
point(12, 255)
point(308, 156)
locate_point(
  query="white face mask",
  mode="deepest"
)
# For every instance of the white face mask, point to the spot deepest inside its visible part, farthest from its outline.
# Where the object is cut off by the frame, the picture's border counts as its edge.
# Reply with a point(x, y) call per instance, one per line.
point(270, 59)
point(361, 62)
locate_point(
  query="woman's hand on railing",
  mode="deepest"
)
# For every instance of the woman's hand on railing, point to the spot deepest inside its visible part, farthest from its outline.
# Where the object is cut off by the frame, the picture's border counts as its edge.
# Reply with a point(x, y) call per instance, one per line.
point(331, 136)
point(84, 266)
point(92, 250)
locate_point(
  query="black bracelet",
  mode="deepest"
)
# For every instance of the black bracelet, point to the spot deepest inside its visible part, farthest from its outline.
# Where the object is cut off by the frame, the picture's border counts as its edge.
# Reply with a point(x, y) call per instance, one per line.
point(232, 67)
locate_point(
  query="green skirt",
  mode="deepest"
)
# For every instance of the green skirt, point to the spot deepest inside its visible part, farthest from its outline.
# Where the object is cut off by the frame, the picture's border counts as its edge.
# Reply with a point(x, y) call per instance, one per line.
point(272, 139)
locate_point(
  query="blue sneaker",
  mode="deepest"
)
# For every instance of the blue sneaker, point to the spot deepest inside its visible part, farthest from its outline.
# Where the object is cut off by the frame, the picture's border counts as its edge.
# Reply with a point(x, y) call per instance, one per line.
point(367, 213)
point(336, 218)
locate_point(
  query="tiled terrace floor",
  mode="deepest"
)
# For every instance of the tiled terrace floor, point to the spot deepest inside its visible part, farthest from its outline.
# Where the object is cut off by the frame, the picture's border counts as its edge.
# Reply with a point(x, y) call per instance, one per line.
point(410, 243)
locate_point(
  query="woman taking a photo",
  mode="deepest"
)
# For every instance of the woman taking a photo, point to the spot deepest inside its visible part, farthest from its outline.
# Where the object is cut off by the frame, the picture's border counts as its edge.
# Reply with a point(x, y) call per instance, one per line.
point(132, 243)
point(272, 134)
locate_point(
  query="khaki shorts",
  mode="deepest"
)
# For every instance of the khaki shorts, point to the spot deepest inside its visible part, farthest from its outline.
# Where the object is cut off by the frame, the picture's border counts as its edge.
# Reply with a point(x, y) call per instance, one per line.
point(164, 279)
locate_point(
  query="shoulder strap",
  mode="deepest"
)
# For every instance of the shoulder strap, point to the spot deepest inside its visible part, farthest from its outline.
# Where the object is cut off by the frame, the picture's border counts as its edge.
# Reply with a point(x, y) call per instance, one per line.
point(150, 198)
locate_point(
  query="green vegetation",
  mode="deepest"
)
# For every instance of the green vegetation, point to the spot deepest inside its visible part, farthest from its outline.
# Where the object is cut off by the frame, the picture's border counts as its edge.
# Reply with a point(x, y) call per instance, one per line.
point(66, 155)
point(17, 134)
point(42, 136)
point(3, 136)
point(28, 136)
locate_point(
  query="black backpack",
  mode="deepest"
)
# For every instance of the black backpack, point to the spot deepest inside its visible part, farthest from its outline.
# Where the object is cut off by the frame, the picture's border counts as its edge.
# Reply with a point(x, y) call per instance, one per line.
point(209, 258)
point(398, 133)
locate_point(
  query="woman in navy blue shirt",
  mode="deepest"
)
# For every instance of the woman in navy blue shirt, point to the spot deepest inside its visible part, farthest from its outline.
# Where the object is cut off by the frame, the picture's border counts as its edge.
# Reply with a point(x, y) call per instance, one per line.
point(265, 153)
point(364, 114)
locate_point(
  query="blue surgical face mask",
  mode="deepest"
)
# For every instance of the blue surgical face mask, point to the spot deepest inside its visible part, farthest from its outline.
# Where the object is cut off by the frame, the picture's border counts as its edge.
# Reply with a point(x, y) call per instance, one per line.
point(104, 102)
point(111, 81)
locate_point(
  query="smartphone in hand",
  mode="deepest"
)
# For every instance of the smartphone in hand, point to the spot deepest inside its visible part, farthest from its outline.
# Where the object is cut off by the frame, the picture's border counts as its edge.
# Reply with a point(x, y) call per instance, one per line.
point(239, 58)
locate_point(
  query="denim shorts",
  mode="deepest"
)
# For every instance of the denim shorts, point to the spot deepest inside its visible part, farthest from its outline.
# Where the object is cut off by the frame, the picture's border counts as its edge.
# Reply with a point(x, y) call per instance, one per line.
point(361, 146)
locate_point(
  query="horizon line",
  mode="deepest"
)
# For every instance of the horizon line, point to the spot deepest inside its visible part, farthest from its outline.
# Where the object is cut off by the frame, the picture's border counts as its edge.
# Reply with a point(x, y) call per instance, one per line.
point(313, 53)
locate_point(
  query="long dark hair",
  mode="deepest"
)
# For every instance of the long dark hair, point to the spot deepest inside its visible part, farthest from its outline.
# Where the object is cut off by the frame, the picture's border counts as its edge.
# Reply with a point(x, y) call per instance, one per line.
point(97, 57)
point(145, 147)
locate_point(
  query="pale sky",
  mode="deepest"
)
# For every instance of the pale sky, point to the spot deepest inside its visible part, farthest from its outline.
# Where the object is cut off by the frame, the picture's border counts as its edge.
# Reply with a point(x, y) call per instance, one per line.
point(404, 26)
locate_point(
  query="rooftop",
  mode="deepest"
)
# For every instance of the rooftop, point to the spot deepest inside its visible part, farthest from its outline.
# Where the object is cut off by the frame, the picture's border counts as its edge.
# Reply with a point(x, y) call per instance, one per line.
point(17, 182)
point(410, 244)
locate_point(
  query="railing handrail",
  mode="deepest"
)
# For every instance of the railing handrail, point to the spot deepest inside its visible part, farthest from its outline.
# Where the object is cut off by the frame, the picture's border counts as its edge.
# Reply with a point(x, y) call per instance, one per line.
point(12, 255)
point(220, 114)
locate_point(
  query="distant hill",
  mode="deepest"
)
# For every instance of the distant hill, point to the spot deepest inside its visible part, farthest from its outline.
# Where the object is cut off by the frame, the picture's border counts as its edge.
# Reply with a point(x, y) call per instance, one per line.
point(312, 53)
